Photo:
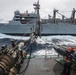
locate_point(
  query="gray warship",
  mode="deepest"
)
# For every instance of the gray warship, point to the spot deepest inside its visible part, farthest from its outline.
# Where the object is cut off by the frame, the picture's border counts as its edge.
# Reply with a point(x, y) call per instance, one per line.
point(25, 23)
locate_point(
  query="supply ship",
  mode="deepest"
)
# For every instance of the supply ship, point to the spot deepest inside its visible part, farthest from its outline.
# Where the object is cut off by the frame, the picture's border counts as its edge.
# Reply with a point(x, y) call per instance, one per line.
point(25, 23)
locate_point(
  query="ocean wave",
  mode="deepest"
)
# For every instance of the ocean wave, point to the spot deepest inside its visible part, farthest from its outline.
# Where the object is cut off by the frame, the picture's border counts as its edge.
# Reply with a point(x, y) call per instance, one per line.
point(44, 43)
point(2, 36)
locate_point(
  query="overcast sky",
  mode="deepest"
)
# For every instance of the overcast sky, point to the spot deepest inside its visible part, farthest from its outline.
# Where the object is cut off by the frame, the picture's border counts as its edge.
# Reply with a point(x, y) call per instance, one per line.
point(7, 7)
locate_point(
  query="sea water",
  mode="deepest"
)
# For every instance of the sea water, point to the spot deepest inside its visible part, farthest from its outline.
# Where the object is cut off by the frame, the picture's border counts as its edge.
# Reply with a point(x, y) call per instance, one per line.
point(44, 43)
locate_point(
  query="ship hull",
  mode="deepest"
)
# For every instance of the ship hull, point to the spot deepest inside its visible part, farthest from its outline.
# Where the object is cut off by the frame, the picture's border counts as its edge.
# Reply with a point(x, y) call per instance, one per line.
point(46, 29)
point(22, 34)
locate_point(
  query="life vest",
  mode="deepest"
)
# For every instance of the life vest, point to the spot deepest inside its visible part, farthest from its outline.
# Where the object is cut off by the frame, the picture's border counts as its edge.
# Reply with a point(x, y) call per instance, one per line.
point(67, 59)
point(70, 49)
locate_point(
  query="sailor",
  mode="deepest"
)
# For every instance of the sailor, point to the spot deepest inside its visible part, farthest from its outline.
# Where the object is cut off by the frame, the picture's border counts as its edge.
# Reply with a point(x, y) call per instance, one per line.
point(68, 62)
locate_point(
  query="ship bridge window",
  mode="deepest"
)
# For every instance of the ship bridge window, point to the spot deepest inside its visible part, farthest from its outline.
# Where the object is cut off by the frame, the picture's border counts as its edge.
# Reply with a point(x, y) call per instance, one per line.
point(28, 15)
point(22, 18)
point(23, 21)
point(17, 19)
point(17, 16)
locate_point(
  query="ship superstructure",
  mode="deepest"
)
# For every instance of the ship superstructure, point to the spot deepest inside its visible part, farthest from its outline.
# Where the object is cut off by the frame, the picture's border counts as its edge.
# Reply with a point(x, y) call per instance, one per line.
point(25, 23)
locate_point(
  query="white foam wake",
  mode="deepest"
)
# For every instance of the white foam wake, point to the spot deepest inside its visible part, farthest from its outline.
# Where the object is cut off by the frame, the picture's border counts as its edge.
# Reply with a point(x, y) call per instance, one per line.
point(13, 37)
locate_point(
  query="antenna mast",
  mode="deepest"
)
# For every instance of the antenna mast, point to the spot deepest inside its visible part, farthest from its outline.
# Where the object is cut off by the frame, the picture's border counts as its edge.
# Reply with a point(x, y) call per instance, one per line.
point(73, 15)
point(38, 27)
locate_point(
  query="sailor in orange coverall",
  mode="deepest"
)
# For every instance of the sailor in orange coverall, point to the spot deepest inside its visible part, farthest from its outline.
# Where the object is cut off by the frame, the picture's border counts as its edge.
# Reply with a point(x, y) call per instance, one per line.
point(68, 63)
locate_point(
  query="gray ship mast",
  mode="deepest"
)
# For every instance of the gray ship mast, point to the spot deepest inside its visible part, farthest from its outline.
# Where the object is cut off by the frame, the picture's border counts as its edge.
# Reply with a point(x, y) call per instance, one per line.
point(73, 15)
point(54, 15)
point(38, 27)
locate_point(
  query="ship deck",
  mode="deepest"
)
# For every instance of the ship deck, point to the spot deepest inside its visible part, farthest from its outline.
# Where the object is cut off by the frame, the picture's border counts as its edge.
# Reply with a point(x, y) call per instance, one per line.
point(44, 66)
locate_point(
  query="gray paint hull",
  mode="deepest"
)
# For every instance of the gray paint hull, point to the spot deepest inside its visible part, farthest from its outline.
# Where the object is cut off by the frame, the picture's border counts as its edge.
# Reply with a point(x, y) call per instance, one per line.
point(46, 29)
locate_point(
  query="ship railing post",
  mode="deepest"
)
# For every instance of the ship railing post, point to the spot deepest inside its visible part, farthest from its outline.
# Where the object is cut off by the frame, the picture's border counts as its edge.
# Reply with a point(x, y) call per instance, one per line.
point(58, 55)
point(46, 53)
